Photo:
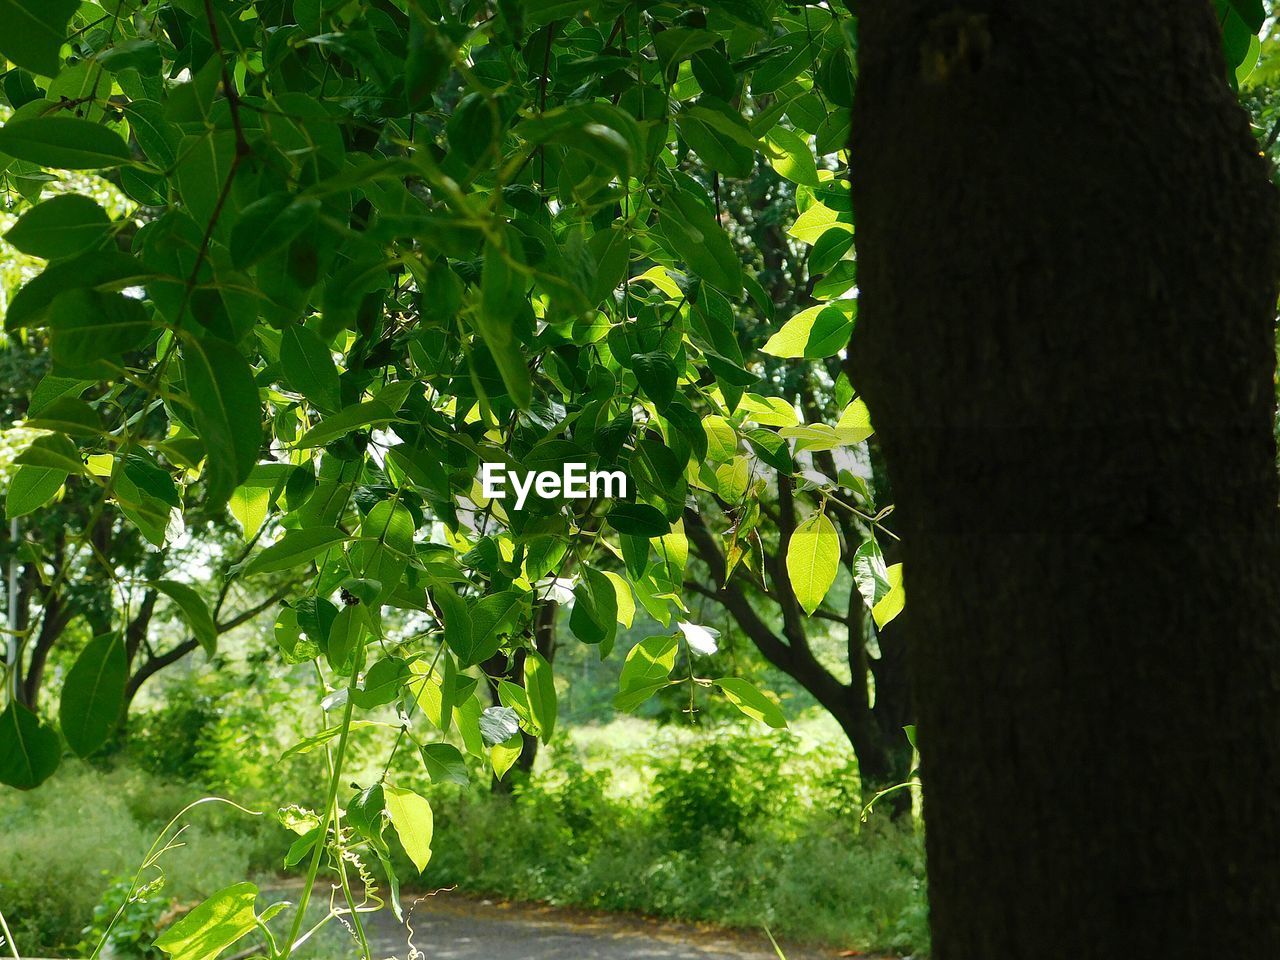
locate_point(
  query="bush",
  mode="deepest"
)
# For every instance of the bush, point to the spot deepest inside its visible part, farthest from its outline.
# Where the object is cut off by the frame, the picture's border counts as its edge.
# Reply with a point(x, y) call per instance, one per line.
point(64, 845)
point(130, 920)
point(734, 829)
point(729, 828)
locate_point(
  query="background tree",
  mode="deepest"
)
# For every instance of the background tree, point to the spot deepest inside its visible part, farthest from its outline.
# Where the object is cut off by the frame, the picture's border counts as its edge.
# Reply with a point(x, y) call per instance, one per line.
point(373, 247)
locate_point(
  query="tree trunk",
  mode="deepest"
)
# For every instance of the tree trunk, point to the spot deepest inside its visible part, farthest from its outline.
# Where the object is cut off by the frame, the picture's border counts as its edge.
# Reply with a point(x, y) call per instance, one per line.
point(1067, 252)
point(878, 765)
point(544, 638)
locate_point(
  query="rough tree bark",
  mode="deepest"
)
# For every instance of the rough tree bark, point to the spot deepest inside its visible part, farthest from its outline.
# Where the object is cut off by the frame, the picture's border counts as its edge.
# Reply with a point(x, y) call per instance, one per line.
point(1067, 258)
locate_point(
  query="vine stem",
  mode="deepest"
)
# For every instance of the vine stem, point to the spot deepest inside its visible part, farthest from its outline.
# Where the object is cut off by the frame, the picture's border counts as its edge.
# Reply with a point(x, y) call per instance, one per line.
point(8, 937)
point(330, 806)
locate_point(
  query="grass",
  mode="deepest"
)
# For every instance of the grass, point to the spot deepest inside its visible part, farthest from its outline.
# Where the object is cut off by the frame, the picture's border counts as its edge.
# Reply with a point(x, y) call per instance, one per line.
point(733, 826)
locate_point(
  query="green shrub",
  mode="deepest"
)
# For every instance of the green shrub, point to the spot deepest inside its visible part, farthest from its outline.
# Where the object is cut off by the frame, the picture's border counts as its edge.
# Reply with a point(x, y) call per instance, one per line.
point(129, 919)
point(62, 846)
point(737, 830)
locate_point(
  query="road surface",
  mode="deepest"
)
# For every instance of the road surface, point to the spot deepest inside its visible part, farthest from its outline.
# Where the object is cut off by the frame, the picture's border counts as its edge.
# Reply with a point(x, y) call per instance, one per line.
point(449, 926)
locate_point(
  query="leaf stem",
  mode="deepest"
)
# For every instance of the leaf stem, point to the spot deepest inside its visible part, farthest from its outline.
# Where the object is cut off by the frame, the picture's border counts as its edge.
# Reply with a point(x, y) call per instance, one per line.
point(330, 806)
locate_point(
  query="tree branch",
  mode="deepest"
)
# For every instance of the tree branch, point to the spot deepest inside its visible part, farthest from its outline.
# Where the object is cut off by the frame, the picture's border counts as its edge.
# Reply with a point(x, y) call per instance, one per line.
point(256, 609)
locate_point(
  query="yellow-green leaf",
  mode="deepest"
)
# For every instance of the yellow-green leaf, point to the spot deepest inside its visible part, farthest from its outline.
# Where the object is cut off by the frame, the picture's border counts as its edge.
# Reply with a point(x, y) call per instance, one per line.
point(891, 604)
point(213, 926)
point(752, 701)
point(411, 816)
point(813, 557)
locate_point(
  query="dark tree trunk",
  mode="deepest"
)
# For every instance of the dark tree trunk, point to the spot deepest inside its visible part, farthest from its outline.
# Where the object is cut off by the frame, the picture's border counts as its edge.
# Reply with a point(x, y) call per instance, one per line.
point(878, 764)
point(54, 621)
point(544, 638)
point(1067, 251)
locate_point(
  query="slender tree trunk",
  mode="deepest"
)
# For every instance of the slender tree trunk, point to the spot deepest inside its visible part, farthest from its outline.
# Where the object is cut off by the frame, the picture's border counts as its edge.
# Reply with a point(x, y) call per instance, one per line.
point(544, 638)
point(1067, 260)
point(52, 624)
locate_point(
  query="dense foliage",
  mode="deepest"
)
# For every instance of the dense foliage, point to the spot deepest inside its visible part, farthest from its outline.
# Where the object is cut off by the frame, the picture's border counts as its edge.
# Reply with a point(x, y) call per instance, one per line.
point(370, 247)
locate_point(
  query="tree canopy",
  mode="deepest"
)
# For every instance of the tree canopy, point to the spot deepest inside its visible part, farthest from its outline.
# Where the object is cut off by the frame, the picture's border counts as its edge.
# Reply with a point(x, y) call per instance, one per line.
point(298, 270)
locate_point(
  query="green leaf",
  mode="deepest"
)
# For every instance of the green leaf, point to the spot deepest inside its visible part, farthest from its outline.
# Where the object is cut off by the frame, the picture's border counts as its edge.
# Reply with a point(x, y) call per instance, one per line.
point(385, 547)
point(269, 224)
point(367, 414)
point(853, 427)
point(309, 366)
point(31, 488)
point(1252, 12)
point(29, 748)
point(722, 440)
point(784, 62)
point(626, 602)
point(540, 686)
point(468, 714)
point(60, 226)
point(828, 251)
point(212, 926)
point(248, 504)
point(435, 688)
point(224, 404)
point(444, 764)
point(646, 671)
point(772, 449)
point(817, 332)
point(458, 632)
point(67, 143)
point(602, 132)
point(55, 449)
point(791, 157)
point(411, 816)
point(32, 32)
point(639, 519)
point(697, 239)
point(501, 296)
point(495, 616)
point(294, 548)
point(870, 575)
point(91, 325)
point(817, 222)
point(839, 279)
point(502, 756)
point(751, 701)
point(30, 305)
point(813, 557)
point(145, 56)
point(347, 637)
point(93, 694)
point(714, 74)
point(194, 610)
point(680, 43)
point(595, 608)
point(289, 637)
point(718, 134)
point(657, 375)
point(892, 603)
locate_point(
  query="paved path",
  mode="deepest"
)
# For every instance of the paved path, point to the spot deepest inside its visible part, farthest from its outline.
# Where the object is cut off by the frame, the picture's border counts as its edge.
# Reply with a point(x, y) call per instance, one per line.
point(451, 927)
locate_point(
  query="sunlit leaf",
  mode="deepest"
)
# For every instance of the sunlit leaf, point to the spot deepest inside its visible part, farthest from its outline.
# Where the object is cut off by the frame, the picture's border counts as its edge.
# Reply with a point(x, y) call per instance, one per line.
point(813, 557)
point(213, 925)
point(411, 817)
point(751, 701)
